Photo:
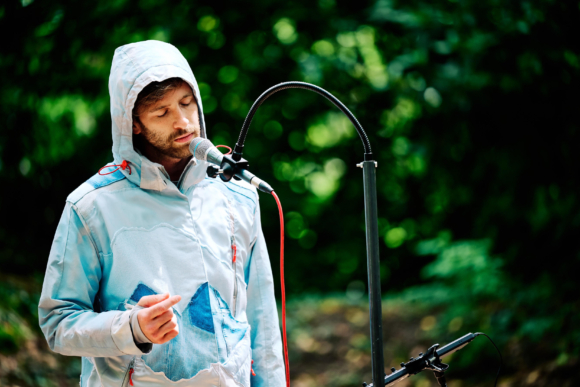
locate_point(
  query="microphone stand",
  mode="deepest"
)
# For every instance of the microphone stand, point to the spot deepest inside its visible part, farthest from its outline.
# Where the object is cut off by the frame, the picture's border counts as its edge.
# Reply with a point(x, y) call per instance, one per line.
point(371, 218)
point(431, 360)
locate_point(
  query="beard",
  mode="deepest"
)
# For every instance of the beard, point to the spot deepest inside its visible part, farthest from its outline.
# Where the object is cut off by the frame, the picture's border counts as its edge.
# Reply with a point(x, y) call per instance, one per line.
point(164, 145)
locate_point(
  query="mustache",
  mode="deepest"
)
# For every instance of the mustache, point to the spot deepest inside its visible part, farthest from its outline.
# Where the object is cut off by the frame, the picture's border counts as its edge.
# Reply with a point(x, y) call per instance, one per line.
point(180, 133)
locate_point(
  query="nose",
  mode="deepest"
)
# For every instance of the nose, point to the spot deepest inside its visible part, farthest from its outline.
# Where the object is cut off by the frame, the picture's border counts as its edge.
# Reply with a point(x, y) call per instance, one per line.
point(181, 121)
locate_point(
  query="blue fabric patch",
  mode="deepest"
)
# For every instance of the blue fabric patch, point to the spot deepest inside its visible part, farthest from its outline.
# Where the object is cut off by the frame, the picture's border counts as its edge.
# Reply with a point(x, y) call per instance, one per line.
point(141, 291)
point(98, 181)
point(200, 309)
point(196, 347)
point(232, 330)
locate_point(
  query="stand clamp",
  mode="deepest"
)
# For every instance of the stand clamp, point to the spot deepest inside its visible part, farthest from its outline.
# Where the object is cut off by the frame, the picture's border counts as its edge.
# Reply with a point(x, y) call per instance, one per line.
point(428, 361)
point(213, 171)
point(228, 168)
point(431, 361)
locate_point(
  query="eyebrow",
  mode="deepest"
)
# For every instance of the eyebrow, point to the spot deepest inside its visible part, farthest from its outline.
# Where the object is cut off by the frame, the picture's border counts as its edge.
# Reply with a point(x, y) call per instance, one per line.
point(164, 106)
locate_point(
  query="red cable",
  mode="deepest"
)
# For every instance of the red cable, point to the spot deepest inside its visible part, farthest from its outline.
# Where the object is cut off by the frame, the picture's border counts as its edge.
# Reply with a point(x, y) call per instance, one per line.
point(225, 146)
point(284, 339)
point(283, 291)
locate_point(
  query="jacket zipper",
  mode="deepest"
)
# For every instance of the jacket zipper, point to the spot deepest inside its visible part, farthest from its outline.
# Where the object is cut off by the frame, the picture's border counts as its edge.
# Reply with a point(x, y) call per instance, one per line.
point(129, 373)
point(234, 253)
point(234, 256)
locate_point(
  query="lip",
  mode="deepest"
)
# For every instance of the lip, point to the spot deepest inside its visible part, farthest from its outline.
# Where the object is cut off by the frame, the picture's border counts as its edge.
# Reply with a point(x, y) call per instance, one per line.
point(186, 138)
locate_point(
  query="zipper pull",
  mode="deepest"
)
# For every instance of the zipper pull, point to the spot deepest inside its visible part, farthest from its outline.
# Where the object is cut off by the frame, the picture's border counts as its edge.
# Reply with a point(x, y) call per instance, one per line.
point(131, 370)
point(234, 250)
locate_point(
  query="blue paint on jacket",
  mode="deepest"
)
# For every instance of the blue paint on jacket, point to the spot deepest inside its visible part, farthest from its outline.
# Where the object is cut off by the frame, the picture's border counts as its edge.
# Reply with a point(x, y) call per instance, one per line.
point(200, 309)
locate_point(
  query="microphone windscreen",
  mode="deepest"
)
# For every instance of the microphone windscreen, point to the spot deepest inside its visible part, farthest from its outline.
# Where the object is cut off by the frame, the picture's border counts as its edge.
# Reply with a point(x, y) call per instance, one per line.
point(199, 147)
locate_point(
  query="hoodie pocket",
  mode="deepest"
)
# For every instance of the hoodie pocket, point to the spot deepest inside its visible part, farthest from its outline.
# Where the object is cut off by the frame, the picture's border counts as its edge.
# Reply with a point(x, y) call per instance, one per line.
point(230, 330)
point(194, 348)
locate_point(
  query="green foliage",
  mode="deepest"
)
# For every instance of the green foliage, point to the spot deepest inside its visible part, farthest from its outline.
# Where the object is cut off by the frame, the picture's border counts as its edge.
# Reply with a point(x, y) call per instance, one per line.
point(16, 307)
point(470, 107)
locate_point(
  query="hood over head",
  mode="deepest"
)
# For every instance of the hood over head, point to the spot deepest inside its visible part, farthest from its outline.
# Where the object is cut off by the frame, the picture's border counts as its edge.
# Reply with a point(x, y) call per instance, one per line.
point(135, 66)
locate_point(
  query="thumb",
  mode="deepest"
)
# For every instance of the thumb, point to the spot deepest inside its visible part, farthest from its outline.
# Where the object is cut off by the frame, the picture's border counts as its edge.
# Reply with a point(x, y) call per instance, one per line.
point(147, 301)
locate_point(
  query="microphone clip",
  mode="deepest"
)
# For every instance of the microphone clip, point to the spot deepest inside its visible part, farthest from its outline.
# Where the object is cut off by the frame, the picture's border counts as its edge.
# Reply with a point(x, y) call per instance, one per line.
point(230, 167)
point(213, 171)
point(428, 361)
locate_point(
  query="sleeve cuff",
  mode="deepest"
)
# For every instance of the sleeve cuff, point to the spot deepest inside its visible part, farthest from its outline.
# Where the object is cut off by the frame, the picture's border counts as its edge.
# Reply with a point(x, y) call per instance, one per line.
point(138, 334)
point(123, 335)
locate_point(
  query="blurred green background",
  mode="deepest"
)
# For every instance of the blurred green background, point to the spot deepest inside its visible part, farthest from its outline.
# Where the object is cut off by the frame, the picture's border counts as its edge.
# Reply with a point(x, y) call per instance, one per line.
point(472, 112)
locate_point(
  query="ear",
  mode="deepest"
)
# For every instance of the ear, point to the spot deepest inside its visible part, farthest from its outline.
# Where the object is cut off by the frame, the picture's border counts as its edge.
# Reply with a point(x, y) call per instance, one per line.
point(137, 127)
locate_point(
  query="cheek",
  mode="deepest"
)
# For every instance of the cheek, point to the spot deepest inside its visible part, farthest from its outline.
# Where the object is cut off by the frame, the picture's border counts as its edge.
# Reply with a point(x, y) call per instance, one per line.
point(194, 116)
point(155, 133)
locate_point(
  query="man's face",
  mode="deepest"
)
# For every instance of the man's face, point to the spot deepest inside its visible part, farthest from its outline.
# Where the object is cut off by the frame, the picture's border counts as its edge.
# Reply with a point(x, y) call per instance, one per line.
point(170, 124)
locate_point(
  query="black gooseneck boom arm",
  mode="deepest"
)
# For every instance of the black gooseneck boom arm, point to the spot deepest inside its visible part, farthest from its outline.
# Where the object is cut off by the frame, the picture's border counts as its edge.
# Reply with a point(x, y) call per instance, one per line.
point(237, 154)
point(371, 220)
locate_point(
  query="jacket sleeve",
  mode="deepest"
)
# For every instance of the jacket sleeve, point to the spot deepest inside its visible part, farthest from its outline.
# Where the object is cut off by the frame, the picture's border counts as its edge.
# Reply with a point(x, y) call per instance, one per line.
point(71, 283)
point(263, 316)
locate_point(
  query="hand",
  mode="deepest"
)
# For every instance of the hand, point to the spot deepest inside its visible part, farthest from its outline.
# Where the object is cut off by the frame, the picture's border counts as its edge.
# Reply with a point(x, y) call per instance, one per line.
point(157, 320)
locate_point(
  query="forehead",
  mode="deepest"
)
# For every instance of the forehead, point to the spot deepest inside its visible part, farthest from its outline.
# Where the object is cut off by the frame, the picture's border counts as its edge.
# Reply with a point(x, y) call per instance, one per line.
point(177, 93)
point(170, 97)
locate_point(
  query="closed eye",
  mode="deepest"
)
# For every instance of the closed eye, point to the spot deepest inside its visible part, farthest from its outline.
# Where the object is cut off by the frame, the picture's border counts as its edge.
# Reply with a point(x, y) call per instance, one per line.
point(187, 102)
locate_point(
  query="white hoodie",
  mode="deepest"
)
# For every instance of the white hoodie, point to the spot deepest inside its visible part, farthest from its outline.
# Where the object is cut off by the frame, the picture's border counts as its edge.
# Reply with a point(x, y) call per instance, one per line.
point(133, 233)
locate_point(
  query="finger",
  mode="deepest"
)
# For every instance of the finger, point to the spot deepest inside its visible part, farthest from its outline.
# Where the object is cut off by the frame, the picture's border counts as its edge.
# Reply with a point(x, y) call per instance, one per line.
point(147, 301)
point(168, 327)
point(161, 307)
point(154, 332)
point(155, 321)
point(145, 324)
point(171, 335)
point(164, 317)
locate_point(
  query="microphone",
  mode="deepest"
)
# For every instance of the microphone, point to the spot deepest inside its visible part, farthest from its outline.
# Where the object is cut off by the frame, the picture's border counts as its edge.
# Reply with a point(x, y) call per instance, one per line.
point(203, 149)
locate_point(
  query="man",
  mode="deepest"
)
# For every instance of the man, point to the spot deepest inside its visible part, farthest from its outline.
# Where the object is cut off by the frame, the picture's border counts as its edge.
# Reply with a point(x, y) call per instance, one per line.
point(159, 275)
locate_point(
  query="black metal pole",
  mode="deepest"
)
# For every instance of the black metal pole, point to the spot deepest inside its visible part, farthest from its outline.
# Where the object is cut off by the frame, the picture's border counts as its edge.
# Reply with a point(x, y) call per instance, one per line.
point(374, 271)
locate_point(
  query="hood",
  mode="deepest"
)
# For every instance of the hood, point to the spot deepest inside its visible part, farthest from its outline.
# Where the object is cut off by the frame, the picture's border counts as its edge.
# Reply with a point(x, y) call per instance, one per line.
point(135, 66)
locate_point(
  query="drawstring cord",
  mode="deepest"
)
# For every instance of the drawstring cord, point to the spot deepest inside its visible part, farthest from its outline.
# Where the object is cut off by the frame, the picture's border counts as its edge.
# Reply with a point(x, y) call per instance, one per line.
point(124, 165)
